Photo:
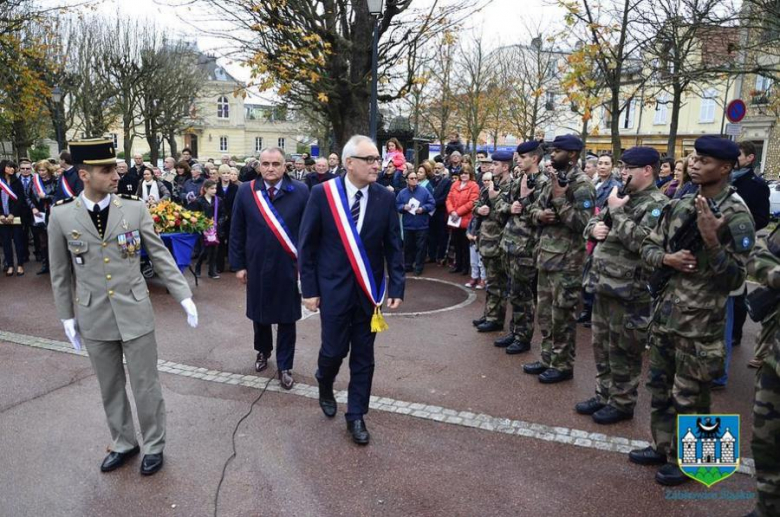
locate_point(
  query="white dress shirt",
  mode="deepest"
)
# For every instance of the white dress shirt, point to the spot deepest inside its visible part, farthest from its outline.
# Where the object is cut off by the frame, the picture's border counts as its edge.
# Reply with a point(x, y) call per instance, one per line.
point(103, 203)
point(351, 191)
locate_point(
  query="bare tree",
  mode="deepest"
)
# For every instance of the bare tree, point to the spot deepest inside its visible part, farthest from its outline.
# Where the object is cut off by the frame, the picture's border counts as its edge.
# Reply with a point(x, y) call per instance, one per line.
point(474, 88)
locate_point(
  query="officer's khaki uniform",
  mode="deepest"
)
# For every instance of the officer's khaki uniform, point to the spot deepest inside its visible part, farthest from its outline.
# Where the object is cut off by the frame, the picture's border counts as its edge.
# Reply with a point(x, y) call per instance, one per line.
point(114, 312)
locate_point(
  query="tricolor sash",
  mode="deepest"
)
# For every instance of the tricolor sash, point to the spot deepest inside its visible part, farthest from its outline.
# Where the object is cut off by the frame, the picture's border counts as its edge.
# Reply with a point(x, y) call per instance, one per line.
point(7, 189)
point(38, 186)
point(275, 221)
point(66, 187)
point(336, 195)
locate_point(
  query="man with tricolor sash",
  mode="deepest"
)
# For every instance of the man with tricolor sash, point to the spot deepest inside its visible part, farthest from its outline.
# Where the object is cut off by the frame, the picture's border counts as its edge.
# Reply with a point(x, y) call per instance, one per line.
point(263, 251)
point(69, 184)
point(349, 233)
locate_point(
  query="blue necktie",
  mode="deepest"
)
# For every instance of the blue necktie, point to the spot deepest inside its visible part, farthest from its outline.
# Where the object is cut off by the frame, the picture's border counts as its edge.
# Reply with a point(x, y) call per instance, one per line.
point(355, 210)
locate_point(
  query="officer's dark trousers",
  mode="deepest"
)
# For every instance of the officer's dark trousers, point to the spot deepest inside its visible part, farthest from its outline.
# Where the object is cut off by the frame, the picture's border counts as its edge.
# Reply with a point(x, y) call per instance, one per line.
point(285, 343)
point(340, 333)
point(13, 239)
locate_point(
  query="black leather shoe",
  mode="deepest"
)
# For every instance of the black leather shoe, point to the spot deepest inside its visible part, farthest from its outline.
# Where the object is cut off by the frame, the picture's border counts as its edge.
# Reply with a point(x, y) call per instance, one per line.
point(286, 379)
point(357, 428)
point(534, 368)
point(611, 415)
point(518, 347)
point(670, 475)
point(646, 456)
point(504, 341)
point(328, 401)
point(114, 460)
point(479, 322)
point(490, 326)
point(151, 464)
point(552, 375)
point(584, 317)
point(588, 407)
point(261, 363)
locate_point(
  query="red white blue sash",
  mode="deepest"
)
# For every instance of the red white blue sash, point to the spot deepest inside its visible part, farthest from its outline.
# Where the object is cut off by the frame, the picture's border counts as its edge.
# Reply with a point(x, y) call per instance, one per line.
point(38, 186)
point(66, 187)
point(4, 186)
point(356, 252)
point(275, 222)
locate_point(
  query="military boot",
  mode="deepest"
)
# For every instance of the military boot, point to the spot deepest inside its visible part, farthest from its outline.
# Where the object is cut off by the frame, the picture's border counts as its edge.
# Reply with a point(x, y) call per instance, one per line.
point(504, 341)
point(588, 407)
point(670, 475)
point(518, 347)
point(611, 415)
point(534, 368)
point(479, 321)
point(490, 326)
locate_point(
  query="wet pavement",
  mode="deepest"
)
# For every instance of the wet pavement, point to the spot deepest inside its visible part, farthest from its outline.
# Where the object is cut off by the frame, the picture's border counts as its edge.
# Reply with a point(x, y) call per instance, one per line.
point(292, 460)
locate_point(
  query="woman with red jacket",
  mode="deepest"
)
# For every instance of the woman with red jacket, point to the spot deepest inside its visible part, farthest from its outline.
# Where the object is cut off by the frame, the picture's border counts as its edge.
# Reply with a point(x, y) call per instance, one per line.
point(460, 203)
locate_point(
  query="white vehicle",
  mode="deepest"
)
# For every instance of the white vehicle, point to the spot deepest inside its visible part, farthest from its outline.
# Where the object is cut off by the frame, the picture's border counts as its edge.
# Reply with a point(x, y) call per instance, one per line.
point(774, 201)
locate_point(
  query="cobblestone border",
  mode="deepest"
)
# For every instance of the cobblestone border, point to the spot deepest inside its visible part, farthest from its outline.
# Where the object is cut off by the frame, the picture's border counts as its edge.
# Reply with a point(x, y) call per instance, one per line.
point(575, 437)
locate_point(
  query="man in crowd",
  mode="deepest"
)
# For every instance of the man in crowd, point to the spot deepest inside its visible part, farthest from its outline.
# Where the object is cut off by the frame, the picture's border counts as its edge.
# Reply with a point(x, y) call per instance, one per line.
point(186, 155)
point(128, 183)
point(299, 173)
point(225, 160)
point(622, 305)
point(686, 344)
point(455, 164)
point(437, 236)
point(563, 209)
point(138, 167)
point(26, 178)
point(69, 183)
point(334, 164)
point(263, 238)
point(320, 174)
point(169, 170)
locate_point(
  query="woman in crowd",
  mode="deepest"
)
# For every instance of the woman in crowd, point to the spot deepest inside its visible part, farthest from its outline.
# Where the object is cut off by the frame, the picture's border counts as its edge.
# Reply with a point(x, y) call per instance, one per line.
point(670, 186)
point(605, 181)
point(210, 205)
point(234, 173)
point(212, 172)
point(460, 203)
point(192, 187)
point(226, 191)
point(12, 204)
point(415, 203)
point(183, 173)
point(40, 202)
point(424, 175)
point(394, 154)
point(685, 185)
point(152, 190)
point(478, 271)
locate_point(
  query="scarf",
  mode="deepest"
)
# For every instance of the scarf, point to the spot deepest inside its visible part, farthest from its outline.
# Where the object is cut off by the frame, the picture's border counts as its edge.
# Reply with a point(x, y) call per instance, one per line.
point(738, 173)
point(146, 191)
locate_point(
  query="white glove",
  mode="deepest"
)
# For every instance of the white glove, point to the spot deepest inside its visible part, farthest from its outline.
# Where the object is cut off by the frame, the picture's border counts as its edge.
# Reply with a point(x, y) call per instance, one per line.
point(192, 312)
point(72, 332)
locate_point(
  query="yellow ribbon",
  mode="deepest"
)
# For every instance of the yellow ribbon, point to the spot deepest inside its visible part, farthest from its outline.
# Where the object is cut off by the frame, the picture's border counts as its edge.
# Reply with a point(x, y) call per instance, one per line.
point(378, 323)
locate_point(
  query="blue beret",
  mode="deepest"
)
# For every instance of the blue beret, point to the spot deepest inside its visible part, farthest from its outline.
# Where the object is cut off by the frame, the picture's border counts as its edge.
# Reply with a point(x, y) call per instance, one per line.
point(567, 143)
point(640, 156)
point(502, 156)
point(527, 147)
point(717, 147)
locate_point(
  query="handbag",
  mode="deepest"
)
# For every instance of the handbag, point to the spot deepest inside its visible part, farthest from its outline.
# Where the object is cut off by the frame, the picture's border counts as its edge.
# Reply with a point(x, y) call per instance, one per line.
point(210, 237)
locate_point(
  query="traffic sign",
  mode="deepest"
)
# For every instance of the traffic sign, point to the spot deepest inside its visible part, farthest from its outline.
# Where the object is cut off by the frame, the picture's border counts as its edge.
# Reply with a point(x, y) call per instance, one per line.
point(733, 129)
point(736, 110)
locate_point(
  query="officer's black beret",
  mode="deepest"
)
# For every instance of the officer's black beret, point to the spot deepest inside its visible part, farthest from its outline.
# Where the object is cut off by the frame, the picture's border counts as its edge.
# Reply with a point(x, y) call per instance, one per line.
point(640, 156)
point(502, 156)
point(717, 147)
point(527, 147)
point(567, 143)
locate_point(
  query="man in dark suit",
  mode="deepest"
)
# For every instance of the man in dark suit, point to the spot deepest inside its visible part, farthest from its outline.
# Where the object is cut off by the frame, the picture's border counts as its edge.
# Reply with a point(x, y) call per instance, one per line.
point(26, 178)
point(70, 176)
point(138, 167)
point(263, 236)
point(437, 238)
point(128, 182)
point(330, 283)
point(321, 173)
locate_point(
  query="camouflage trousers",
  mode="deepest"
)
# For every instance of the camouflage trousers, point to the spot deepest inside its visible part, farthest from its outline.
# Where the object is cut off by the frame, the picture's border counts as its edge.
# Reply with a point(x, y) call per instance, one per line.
point(766, 438)
point(619, 339)
point(558, 294)
point(522, 297)
point(681, 371)
point(495, 292)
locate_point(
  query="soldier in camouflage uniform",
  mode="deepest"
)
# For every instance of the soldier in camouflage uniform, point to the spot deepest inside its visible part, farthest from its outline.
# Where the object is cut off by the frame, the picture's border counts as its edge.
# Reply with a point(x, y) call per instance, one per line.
point(622, 307)
point(491, 227)
point(563, 209)
point(518, 244)
point(764, 265)
point(687, 349)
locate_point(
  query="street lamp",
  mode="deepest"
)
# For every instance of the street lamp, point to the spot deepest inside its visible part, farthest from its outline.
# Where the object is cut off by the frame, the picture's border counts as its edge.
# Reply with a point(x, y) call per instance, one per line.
point(56, 98)
point(375, 10)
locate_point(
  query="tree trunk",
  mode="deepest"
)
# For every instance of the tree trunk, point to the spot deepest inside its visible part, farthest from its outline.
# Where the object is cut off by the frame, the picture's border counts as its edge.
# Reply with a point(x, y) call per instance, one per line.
point(21, 139)
point(172, 144)
point(615, 122)
point(127, 127)
point(154, 150)
point(671, 144)
point(584, 136)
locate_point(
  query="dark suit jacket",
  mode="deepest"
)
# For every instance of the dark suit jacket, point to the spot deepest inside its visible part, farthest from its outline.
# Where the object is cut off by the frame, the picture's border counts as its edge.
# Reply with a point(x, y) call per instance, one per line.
point(72, 177)
point(229, 197)
point(755, 192)
point(18, 206)
point(139, 173)
point(128, 184)
point(29, 193)
point(272, 275)
point(313, 179)
point(441, 189)
point(325, 269)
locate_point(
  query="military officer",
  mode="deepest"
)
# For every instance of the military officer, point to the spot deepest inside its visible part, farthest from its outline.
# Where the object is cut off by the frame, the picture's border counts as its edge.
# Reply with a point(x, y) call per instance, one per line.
point(687, 350)
point(95, 241)
point(518, 244)
point(622, 306)
point(764, 265)
point(490, 230)
point(562, 210)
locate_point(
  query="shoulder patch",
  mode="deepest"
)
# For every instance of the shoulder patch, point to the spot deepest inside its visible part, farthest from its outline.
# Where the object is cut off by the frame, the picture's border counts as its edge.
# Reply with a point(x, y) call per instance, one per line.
point(656, 212)
point(743, 234)
point(586, 203)
point(129, 196)
point(64, 201)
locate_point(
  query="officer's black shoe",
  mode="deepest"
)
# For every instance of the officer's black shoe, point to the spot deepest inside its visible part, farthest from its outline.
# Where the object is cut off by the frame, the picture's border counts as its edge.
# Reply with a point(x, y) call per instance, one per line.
point(670, 475)
point(552, 375)
point(588, 407)
point(518, 347)
point(151, 464)
point(44, 268)
point(114, 460)
point(479, 322)
point(328, 400)
point(584, 316)
point(504, 341)
point(611, 415)
point(646, 456)
point(357, 428)
point(490, 326)
point(534, 368)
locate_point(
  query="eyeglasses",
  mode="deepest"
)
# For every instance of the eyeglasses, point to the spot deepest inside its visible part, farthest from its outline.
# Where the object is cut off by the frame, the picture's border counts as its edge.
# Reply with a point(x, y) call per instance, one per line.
point(371, 160)
point(271, 164)
point(411, 178)
point(25, 168)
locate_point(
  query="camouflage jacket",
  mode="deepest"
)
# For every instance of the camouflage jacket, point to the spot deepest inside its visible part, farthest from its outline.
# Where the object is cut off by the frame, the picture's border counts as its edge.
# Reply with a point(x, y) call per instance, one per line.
point(520, 235)
point(693, 305)
point(764, 265)
point(561, 246)
point(492, 225)
point(617, 268)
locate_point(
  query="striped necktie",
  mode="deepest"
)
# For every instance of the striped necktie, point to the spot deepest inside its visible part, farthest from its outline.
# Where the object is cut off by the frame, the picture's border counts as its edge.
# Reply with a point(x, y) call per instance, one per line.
point(355, 210)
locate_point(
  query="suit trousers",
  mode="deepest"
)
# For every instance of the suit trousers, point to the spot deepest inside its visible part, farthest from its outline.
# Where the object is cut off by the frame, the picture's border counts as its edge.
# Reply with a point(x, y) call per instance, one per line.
point(12, 238)
point(438, 235)
point(415, 242)
point(340, 334)
point(141, 355)
point(285, 343)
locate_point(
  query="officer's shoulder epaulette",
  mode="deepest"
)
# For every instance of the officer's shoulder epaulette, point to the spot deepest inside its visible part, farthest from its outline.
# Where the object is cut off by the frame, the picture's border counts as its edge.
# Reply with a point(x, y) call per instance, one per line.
point(130, 197)
point(64, 201)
